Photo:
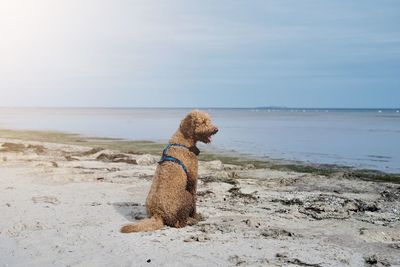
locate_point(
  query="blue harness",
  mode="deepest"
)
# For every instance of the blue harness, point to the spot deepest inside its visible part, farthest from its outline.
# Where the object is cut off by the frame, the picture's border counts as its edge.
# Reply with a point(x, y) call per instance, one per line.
point(166, 157)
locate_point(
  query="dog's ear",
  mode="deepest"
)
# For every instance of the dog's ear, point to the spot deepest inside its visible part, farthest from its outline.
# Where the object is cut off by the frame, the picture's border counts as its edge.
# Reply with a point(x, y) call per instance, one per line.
point(187, 125)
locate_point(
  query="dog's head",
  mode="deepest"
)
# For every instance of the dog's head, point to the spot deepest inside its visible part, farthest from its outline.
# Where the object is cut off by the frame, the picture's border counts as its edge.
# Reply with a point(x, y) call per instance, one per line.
point(198, 126)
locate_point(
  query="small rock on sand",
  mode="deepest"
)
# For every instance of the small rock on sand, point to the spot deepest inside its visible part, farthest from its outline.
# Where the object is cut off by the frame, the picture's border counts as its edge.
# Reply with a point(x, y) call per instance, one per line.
point(215, 165)
point(146, 160)
point(70, 158)
point(391, 195)
point(395, 245)
point(46, 199)
point(252, 223)
point(54, 164)
point(276, 233)
point(198, 238)
point(375, 260)
point(249, 166)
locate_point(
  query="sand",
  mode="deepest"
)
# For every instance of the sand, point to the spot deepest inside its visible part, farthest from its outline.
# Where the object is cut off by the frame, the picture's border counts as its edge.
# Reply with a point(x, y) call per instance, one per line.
point(63, 205)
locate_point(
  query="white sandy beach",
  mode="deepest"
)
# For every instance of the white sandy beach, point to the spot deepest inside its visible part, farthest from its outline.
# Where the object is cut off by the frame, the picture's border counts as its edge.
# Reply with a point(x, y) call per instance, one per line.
point(60, 206)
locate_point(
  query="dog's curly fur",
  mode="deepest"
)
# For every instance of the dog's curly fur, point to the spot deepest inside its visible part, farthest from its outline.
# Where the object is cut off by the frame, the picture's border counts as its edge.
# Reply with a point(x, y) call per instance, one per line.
point(172, 197)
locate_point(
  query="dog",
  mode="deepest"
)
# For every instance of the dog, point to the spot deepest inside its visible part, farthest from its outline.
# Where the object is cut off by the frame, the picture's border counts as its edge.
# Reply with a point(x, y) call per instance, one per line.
point(172, 197)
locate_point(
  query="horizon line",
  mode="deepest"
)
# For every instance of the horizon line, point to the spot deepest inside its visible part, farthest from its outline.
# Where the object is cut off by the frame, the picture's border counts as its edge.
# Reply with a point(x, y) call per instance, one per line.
point(198, 107)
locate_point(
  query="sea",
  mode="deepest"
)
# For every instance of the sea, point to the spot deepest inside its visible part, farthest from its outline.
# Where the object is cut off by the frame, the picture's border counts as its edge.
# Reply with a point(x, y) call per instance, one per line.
point(360, 138)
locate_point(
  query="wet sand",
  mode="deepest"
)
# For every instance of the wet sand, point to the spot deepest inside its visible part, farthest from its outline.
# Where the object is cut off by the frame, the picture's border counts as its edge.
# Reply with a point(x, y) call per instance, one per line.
point(63, 205)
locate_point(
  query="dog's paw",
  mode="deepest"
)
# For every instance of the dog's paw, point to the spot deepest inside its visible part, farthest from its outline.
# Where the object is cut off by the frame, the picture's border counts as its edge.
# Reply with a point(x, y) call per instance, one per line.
point(192, 221)
point(195, 219)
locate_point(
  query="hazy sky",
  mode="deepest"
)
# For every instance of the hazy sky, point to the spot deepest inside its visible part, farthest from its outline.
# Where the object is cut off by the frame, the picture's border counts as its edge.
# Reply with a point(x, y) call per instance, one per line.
point(319, 53)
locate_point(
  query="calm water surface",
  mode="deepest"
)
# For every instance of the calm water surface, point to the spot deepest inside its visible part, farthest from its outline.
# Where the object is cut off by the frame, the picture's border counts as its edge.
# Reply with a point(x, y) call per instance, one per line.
point(359, 138)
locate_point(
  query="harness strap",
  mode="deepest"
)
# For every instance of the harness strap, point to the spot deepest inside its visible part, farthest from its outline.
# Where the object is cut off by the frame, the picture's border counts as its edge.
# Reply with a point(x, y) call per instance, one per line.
point(166, 157)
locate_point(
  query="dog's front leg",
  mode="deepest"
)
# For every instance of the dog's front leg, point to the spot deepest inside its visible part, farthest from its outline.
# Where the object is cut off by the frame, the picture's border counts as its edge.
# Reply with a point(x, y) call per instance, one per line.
point(194, 217)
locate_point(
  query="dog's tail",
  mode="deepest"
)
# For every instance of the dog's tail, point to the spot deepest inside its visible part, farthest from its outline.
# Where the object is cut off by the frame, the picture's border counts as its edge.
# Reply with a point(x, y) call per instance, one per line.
point(145, 225)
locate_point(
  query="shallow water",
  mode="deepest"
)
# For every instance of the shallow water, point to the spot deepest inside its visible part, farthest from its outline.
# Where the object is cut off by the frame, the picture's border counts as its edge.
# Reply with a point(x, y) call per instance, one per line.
point(359, 138)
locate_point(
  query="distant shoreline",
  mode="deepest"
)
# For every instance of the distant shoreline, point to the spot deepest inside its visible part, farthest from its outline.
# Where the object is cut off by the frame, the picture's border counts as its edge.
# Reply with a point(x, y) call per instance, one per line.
point(216, 108)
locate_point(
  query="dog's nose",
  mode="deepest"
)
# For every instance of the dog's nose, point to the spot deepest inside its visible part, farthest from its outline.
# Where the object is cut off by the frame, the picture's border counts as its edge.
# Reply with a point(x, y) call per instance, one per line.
point(215, 130)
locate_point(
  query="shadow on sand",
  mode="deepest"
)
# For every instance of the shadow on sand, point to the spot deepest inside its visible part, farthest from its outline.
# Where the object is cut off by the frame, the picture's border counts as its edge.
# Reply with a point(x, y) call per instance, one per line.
point(130, 210)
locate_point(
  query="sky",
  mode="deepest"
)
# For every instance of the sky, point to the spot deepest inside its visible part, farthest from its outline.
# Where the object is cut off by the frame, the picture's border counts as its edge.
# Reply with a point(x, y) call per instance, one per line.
point(185, 53)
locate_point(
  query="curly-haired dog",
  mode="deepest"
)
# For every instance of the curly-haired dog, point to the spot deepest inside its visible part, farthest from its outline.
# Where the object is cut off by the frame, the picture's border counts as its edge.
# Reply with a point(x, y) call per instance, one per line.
point(172, 197)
